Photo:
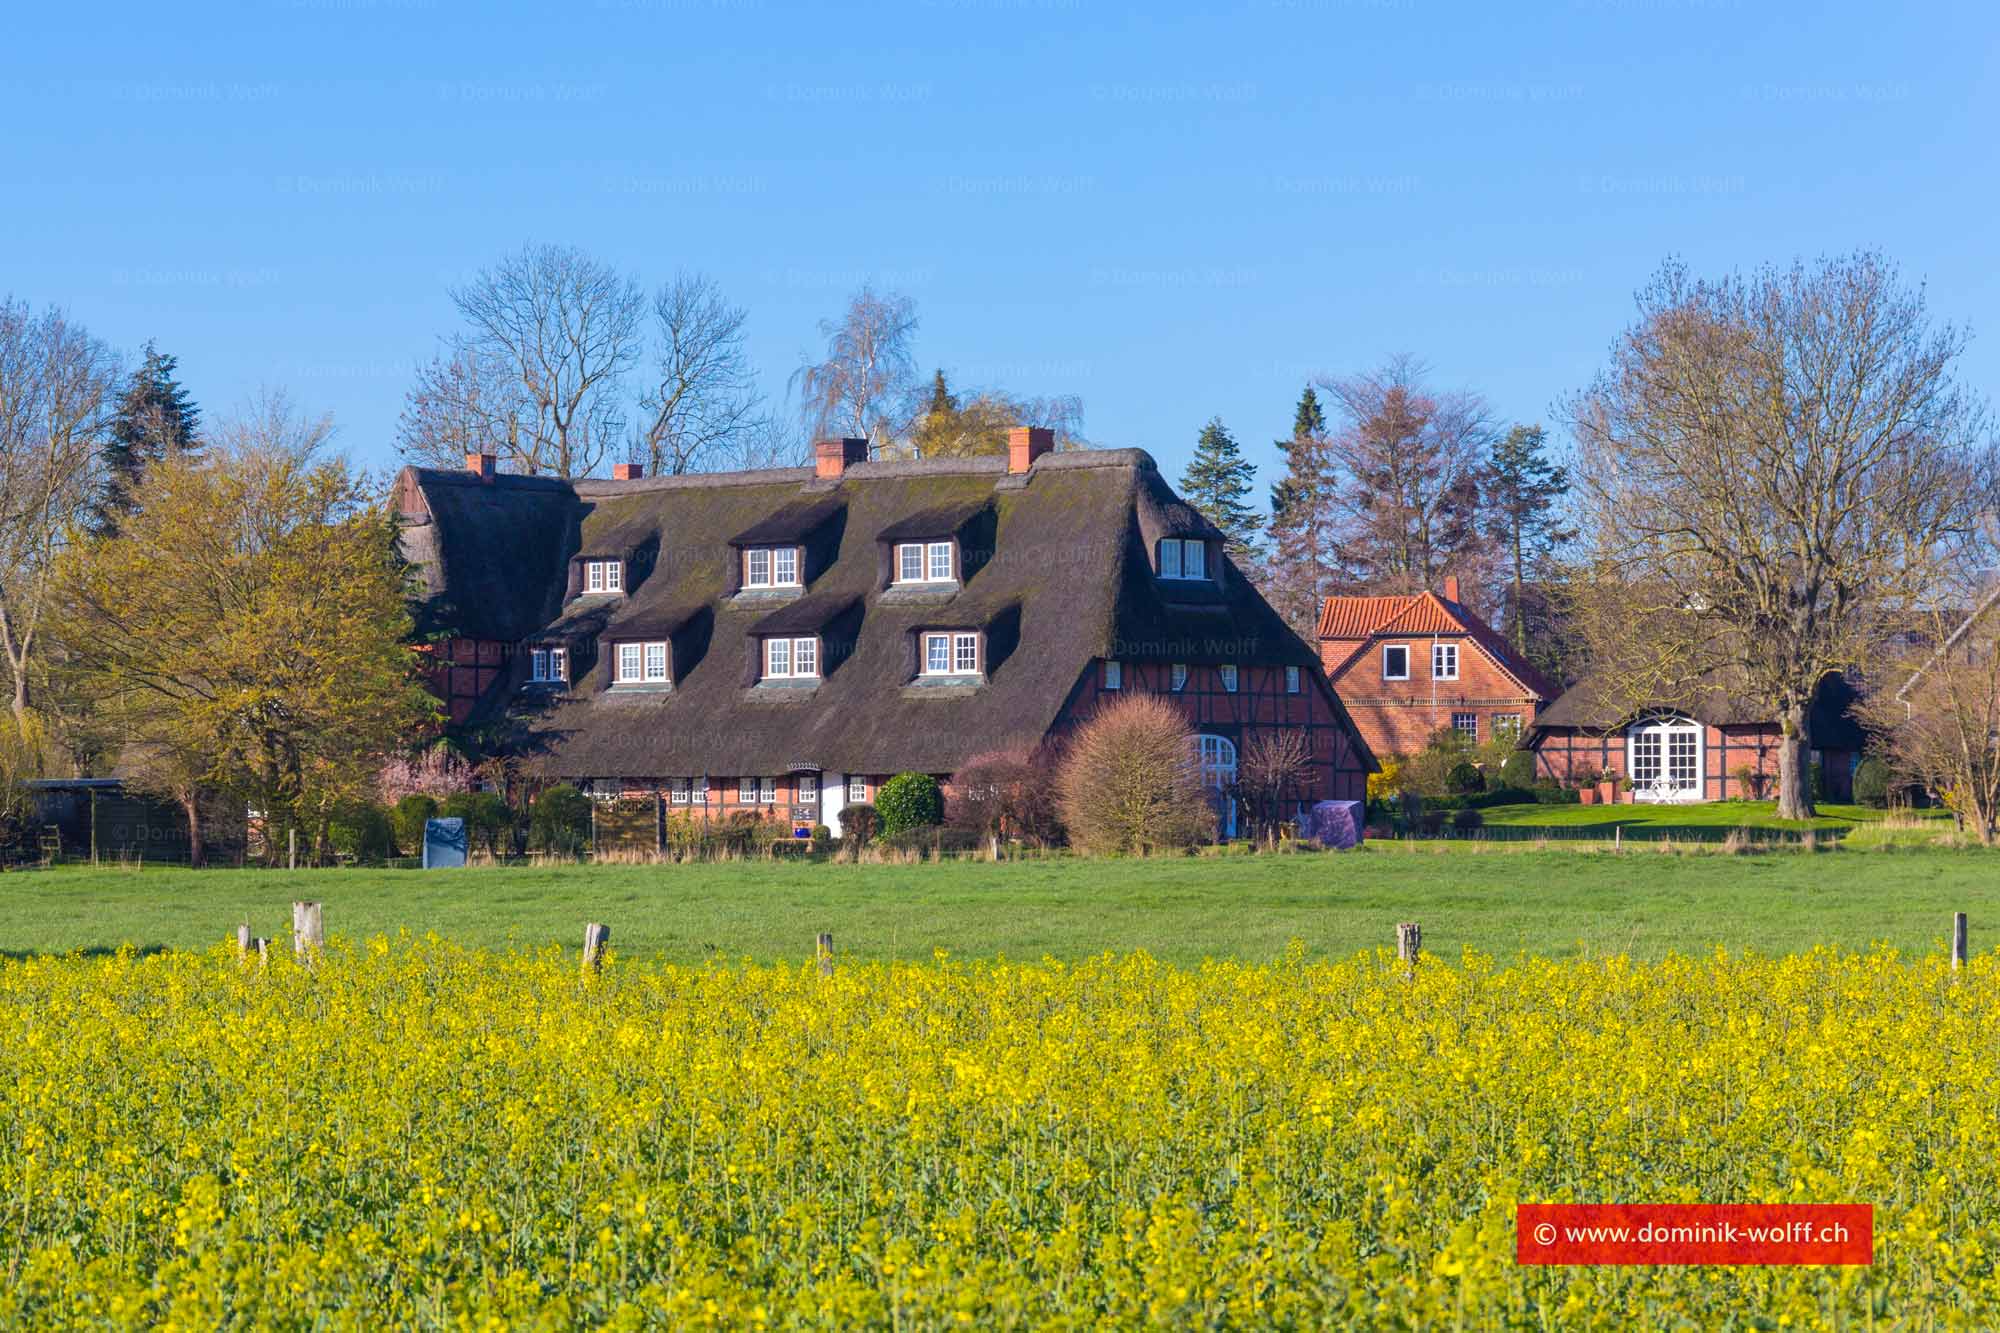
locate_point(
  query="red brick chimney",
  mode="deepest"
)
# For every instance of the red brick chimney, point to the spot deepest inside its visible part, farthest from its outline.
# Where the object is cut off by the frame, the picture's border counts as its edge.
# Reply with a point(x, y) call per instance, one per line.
point(831, 458)
point(1027, 443)
point(627, 471)
point(483, 466)
point(1451, 587)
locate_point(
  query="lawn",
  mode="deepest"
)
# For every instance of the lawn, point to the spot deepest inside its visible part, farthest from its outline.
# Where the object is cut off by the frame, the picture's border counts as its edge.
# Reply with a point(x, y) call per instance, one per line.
point(1654, 819)
point(1498, 899)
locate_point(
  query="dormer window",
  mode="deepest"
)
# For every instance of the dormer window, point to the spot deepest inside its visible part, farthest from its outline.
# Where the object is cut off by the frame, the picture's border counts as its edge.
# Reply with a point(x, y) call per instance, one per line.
point(952, 653)
point(548, 666)
point(1183, 558)
point(604, 576)
point(642, 663)
point(791, 658)
point(771, 567)
point(923, 562)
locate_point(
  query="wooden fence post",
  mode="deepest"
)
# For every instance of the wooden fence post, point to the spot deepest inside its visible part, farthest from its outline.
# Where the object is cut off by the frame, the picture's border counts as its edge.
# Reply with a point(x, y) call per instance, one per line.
point(1409, 941)
point(308, 929)
point(243, 942)
point(292, 855)
point(823, 948)
point(595, 936)
point(263, 951)
point(1957, 940)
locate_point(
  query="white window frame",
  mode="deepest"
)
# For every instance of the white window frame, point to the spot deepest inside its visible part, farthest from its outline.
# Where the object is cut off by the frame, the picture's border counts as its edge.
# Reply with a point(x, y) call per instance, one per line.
point(1471, 733)
point(656, 661)
point(746, 791)
point(1444, 661)
point(801, 657)
point(932, 562)
point(634, 654)
point(1671, 743)
point(678, 791)
point(1183, 558)
point(1402, 648)
point(857, 789)
point(604, 576)
point(945, 653)
point(1114, 674)
point(767, 791)
point(1506, 724)
point(765, 567)
point(1177, 677)
point(1229, 678)
point(808, 789)
point(549, 666)
point(1294, 680)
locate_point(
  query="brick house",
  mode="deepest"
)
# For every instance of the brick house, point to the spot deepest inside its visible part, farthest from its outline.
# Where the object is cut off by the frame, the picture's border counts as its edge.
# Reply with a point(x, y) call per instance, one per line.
point(784, 640)
point(1407, 666)
point(1716, 747)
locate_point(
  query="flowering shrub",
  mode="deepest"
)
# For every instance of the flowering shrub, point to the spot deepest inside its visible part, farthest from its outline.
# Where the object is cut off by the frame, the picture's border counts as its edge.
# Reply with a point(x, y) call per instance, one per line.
point(411, 1133)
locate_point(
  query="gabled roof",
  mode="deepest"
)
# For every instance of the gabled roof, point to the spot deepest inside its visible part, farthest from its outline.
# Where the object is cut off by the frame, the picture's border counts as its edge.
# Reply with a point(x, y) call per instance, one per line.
point(1069, 579)
point(1592, 705)
point(1426, 613)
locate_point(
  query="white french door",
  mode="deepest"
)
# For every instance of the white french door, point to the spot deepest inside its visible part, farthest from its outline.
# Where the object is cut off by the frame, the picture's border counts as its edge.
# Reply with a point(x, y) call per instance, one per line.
point(1218, 772)
point(1663, 757)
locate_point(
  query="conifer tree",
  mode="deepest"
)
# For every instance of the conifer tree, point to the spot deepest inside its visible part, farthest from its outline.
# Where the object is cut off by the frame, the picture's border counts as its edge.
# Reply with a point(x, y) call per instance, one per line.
point(1302, 553)
point(1217, 482)
point(154, 418)
point(1521, 488)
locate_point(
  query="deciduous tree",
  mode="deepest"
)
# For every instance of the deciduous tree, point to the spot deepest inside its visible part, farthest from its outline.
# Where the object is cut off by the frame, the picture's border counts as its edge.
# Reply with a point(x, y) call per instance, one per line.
point(1130, 781)
point(1775, 469)
point(702, 396)
point(863, 386)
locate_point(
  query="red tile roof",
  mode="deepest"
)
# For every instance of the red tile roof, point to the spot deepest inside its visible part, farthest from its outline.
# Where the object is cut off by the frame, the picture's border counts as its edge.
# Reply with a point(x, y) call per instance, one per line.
point(1362, 618)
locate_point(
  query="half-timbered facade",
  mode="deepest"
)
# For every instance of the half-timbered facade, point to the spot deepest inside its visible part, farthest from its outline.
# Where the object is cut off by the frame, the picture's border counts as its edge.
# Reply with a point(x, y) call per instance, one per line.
point(784, 640)
point(1715, 748)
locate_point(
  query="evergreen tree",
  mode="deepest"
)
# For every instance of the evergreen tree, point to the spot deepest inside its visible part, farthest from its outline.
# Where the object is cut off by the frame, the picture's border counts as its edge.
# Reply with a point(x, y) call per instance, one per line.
point(1217, 482)
point(154, 419)
point(1302, 554)
point(1521, 489)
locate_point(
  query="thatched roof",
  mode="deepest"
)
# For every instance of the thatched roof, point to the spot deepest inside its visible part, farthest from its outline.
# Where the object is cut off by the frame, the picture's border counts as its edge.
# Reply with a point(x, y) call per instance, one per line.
point(1592, 706)
point(1057, 572)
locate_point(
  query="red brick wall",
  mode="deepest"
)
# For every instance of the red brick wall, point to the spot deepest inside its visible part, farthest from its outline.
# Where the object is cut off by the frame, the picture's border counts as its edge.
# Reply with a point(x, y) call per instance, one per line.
point(1560, 754)
point(1259, 704)
point(1398, 716)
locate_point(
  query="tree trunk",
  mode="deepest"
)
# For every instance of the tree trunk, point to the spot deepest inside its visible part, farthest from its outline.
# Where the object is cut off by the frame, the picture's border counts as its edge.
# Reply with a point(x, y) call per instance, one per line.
point(1795, 797)
point(192, 806)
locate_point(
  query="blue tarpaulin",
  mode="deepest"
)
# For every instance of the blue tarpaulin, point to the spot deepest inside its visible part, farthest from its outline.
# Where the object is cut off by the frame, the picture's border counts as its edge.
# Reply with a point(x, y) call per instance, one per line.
point(444, 843)
point(1335, 824)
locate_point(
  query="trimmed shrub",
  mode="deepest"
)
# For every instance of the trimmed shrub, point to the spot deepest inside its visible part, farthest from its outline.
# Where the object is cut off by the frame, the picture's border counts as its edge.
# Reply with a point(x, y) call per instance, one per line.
point(364, 832)
point(1519, 770)
point(1553, 795)
point(1468, 819)
point(1872, 783)
point(1464, 778)
point(409, 817)
point(860, 824)
point(1131, 781)
point(910, 801)
point(559, 822)
point(1005, 793)
point(486, 817)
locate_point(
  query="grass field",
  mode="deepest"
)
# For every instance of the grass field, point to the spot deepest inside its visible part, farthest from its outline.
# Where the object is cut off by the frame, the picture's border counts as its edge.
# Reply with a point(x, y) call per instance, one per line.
point(1863, 824)
point(1497, 899)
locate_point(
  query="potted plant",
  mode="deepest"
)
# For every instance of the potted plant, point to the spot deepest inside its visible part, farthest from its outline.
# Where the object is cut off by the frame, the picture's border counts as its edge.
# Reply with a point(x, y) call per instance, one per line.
point(1586, 786)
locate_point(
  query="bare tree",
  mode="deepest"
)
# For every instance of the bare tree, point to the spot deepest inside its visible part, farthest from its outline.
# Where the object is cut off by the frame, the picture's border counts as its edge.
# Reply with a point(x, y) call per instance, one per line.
point(1941, 726)
point(703, 395)
point(1272, 778)
point(1774, 470)
point(567, 328)
point(56, 389)
point(1406, 462)
point(864, 386)
point(463, 402)
point(768, 441)
point(1130, 780)
point(270, 426)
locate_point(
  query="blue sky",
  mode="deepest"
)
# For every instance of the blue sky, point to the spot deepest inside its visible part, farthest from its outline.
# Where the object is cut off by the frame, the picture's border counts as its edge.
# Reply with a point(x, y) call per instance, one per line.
point(1173, 213)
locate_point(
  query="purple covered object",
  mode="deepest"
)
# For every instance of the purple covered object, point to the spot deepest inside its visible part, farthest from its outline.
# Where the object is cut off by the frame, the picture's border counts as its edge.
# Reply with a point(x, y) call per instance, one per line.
point(1335, 824)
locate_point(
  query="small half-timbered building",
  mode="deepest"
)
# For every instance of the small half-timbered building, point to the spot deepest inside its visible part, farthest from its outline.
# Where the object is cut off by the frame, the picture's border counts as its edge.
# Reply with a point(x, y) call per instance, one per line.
point(784, 640)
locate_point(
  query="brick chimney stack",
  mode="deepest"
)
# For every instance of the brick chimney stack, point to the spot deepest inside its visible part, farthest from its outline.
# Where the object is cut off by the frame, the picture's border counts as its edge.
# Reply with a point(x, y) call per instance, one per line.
point(1027, 443)
point(627, 471)
point(483, 466)
point(1451, 587)
point(831, 458)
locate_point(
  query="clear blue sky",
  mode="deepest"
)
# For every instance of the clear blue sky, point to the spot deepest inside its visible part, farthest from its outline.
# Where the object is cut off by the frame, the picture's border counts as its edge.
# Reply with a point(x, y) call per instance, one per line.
point(1172, 213)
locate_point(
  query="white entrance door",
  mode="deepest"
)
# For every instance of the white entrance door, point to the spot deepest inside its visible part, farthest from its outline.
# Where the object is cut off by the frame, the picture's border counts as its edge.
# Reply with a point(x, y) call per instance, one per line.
point(1218, 771)
point(1664, 760)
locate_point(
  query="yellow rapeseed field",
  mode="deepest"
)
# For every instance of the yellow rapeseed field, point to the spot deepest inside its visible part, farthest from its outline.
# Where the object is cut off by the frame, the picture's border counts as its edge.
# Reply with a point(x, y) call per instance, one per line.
point(412, 1133)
